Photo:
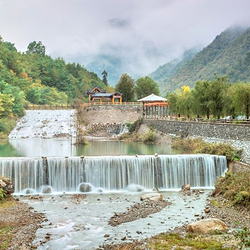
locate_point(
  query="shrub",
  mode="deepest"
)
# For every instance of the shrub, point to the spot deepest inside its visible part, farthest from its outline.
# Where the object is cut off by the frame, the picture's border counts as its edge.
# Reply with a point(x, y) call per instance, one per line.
point(2, 194)
point(199, 146)
point(134, 126)
point(149, 137)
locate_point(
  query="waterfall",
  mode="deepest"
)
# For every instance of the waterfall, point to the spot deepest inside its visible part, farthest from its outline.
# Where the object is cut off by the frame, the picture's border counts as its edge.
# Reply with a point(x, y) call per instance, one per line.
point(113, 172)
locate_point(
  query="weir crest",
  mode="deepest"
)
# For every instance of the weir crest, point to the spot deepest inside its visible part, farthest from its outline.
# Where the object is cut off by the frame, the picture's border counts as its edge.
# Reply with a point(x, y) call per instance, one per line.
point(113, 172)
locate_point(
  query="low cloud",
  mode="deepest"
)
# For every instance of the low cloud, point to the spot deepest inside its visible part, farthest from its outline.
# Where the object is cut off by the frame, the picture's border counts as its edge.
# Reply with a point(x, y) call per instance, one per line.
point(143, 34)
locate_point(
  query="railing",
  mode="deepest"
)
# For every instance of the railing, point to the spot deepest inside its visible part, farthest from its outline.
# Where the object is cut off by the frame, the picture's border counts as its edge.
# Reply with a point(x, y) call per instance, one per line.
point(66, 106)
point(115, 104)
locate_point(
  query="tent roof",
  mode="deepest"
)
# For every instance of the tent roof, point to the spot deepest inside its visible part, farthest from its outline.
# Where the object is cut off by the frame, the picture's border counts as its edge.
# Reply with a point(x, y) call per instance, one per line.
point(152, 98)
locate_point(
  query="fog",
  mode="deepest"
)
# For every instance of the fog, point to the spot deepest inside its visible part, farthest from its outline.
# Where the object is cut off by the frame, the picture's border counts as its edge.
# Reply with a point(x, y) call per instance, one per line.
point(142, 34)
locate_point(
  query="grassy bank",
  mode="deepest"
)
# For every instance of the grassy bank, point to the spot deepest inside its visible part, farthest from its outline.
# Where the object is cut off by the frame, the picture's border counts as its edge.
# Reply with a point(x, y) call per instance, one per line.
point(235, 188)
point(198, 146)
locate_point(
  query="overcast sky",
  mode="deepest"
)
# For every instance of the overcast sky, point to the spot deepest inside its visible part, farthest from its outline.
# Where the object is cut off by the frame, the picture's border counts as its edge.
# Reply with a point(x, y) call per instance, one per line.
point(146, 33)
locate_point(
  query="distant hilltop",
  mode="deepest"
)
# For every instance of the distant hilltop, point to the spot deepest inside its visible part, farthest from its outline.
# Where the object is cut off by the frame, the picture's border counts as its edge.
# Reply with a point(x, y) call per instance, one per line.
point(228, 54)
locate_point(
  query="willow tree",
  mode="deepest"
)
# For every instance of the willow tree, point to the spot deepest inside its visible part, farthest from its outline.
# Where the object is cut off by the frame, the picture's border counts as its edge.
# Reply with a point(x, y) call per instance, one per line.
point(241, 98)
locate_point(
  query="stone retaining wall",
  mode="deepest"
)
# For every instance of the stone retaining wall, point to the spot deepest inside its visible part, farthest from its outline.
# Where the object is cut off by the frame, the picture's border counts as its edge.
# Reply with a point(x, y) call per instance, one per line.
point(209, 130)
point(111, 114)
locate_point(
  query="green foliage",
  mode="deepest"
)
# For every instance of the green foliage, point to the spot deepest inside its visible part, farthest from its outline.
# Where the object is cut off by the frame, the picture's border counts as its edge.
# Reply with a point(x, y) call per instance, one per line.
point(198, 146)
point(104, 77)
point(2, 194)
point(6, 234)
point(146, 86)
point(132, 127)
point(39, 79)
point(244, 238)
point(6, 125)
point(213, 98)
point(149, 137)
point(126, 86)
point(36, 48)
point(189, 241)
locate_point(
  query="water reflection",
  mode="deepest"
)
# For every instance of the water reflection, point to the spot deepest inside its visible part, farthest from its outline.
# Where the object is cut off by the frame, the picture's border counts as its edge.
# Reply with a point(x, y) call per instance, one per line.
point(63, 147)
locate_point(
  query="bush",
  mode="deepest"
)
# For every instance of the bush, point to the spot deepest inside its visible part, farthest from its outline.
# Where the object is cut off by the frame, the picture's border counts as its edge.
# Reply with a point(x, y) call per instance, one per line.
point(2, 194)
point(132, 127)
point(149, 137)
point(199, 146)
point(6, 125)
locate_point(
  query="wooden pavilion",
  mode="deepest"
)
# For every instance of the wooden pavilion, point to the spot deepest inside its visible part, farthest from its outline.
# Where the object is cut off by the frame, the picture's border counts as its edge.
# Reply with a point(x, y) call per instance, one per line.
point(98, 95)
point(154, 106)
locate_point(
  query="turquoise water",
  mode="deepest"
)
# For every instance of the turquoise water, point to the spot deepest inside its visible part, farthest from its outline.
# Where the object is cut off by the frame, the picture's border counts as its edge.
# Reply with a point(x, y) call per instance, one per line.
point(59, 147)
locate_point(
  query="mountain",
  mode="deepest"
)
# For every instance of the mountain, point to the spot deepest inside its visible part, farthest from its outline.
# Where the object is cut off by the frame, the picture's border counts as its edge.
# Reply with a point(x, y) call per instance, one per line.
point(228, 54)
point(164, 73)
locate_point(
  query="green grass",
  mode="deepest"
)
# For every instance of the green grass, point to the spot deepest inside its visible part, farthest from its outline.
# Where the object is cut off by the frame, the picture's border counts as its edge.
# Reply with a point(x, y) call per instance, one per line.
point(6, 234)
point(190, 241)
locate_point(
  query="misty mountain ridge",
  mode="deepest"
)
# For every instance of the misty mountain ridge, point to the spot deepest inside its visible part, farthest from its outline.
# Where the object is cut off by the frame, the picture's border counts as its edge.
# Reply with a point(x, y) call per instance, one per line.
point(164, 73)
point(228, 54)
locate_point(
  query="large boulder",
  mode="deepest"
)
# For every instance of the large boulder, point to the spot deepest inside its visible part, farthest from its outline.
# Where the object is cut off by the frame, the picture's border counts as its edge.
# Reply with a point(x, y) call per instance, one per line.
point(152, 197)
point(185, 187)
point(6, 185)
point(206, 226)
point(85, 187)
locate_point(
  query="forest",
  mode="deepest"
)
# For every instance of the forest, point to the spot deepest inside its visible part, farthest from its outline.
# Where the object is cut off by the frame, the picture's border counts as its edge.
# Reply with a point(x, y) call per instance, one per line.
point(37, 78)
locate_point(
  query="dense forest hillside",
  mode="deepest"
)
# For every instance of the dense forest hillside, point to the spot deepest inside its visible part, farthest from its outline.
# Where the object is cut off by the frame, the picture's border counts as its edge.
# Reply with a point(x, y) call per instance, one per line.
point(228, 54)
point(39, 79)
point(164, 73)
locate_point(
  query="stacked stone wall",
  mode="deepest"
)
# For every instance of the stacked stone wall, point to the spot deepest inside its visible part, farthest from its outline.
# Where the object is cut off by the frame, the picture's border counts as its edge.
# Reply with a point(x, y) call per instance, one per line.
point(209, 130)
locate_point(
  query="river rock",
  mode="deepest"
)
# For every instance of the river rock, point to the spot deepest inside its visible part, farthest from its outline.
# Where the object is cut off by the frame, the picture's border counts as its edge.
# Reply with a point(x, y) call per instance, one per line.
point(6, 185)
point(47, 190)
point(185, 187)
point(152, 197)
point(206, 226)
point(85, 187)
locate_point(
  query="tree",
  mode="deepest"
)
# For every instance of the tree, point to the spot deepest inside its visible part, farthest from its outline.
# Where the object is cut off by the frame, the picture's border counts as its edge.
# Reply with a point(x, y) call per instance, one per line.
point(201, 96)
point(36, 48)
point(146, 86)
point(104, 77)
point(125, 86)
point(241, 98)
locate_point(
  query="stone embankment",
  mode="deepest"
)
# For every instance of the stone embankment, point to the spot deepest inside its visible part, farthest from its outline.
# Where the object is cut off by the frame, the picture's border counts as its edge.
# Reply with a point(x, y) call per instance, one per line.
point(111, 114)
point(105, 129)
point(238, 135)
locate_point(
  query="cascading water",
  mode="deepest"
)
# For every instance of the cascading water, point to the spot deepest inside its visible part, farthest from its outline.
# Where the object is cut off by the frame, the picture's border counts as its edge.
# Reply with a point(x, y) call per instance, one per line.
point(113, 172)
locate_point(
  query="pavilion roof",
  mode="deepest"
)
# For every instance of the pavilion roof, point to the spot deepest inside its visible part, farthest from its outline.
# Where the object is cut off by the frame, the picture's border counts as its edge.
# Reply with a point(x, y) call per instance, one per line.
point(152, 98)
